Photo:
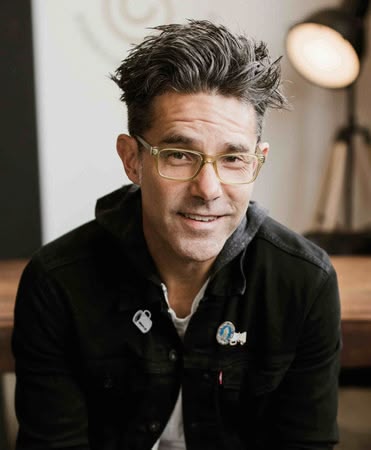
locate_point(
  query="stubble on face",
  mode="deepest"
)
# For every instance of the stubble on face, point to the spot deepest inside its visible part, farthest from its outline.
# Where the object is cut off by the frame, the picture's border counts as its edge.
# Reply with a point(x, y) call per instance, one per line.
point(191, 221)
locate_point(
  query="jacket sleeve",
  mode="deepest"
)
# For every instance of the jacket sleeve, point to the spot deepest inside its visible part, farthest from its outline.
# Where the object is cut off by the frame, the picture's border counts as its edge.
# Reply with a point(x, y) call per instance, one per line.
point(304, 408)
point(50, 405)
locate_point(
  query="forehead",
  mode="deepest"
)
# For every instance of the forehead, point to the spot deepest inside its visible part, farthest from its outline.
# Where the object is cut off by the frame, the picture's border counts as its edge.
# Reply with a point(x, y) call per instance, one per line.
point(203, 115)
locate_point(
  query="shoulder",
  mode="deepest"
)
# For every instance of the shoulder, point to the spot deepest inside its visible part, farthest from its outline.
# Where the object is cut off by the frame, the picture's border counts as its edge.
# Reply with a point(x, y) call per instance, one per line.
point(289, 262)
point(75, 245)
point(72, 273)
point(285, 244)
point(294, 279)
point(79, 247)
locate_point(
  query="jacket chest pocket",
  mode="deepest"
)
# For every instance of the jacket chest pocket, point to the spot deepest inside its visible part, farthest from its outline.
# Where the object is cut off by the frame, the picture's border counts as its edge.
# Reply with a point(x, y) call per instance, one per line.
point(251, 375)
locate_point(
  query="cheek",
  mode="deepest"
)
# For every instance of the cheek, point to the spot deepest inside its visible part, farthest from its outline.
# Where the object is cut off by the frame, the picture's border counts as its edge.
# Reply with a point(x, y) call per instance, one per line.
point(157, 193)
point(148, 176)
point(240, 196)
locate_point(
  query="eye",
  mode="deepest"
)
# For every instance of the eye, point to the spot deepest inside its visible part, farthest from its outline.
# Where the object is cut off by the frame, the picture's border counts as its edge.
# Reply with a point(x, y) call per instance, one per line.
point(235, 159)
point(176, 157)
point(232, 159)
point(238, 161)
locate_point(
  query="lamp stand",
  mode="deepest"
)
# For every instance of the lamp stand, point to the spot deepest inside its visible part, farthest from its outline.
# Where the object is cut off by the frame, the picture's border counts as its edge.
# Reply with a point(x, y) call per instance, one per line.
point(347, 134)
point(334, 218)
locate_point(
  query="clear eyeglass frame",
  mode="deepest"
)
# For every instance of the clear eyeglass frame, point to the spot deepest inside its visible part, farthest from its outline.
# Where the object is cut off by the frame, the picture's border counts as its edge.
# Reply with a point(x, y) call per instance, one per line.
point(204, 159)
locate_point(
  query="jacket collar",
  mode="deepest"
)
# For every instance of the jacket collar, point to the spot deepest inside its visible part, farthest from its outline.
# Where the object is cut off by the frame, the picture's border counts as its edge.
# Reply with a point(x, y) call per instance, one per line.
point(228, 275)
point(121, 215)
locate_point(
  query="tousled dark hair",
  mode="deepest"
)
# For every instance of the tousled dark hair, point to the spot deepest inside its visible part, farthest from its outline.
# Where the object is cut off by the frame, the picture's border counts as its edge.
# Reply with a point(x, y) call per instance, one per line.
point(195, 57)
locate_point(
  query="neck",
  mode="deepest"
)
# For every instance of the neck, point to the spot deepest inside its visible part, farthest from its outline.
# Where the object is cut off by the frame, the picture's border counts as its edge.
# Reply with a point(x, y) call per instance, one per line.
point(182, 278)
point(182, 292)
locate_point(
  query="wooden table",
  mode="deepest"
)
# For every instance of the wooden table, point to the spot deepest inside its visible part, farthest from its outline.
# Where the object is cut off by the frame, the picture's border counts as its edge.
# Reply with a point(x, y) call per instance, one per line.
point(10, 272)
point(354, 274)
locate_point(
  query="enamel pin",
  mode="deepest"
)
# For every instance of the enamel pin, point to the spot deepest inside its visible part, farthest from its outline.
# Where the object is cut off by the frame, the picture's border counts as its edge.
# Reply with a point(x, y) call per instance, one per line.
point(238, 338)
point(225, 332)
point(142, 319)
point(227, 335)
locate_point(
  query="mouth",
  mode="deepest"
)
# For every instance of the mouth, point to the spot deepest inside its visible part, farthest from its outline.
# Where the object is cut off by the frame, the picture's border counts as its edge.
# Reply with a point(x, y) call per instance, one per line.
point(200, 218)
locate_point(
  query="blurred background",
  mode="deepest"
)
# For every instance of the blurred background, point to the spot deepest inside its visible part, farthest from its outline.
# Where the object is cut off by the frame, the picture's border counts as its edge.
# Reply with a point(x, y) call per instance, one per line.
point(77, 113)
point(60, 116)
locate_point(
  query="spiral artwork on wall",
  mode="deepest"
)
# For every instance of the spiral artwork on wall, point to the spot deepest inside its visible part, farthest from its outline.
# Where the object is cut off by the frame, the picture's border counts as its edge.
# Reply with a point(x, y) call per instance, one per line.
point(110, 25)
point(127, 18)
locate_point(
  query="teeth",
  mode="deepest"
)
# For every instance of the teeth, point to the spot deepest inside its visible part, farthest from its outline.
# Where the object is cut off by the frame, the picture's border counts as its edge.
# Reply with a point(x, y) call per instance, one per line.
point(200, 218)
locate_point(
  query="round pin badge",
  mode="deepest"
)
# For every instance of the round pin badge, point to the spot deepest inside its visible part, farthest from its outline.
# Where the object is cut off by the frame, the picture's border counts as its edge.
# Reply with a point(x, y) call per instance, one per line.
point(225, 333)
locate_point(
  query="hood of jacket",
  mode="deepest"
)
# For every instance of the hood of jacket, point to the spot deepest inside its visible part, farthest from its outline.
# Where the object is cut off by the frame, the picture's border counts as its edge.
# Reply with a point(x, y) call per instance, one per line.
point(120, 214)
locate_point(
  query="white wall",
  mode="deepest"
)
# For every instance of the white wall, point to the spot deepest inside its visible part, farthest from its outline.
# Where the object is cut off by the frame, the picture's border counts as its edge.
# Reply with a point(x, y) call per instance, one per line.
point(79, 42)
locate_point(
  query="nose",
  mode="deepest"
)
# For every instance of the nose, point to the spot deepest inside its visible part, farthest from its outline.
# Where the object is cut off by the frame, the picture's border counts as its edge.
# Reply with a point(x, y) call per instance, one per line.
point(206, 185)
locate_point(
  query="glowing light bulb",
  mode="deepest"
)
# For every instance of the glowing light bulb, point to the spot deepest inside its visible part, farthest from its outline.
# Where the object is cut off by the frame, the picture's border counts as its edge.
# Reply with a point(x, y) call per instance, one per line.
point(322, 55)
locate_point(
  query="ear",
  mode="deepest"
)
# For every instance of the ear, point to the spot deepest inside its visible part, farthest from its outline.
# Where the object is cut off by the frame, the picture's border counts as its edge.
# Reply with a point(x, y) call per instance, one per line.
point(127, 148)
point(264, 148)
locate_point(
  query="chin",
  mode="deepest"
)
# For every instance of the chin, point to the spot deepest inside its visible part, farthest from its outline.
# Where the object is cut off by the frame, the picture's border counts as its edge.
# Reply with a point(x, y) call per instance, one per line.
point(199, 253)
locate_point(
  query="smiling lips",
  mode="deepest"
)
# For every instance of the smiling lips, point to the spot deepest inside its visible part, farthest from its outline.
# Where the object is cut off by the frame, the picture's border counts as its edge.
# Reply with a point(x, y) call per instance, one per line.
point(199, 218)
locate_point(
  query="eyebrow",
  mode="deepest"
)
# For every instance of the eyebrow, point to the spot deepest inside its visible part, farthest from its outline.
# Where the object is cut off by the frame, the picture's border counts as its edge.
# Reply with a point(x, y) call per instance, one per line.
point(238, 148)
point(180, 139)
point(177, 139)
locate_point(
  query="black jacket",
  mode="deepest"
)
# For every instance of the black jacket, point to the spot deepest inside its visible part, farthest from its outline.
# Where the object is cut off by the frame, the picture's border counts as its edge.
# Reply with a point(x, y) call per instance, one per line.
point(87, 377)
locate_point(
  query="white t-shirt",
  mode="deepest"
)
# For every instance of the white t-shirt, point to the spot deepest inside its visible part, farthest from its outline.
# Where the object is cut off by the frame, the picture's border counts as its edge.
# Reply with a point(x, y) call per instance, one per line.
point(172, 437)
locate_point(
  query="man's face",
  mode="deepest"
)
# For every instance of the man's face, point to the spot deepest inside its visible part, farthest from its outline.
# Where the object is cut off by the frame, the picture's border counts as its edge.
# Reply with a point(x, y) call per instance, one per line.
point(191, 220)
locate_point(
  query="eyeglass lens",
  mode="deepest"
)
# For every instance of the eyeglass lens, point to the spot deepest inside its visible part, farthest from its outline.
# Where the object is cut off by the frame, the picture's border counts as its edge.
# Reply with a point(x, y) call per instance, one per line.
point(184, 164)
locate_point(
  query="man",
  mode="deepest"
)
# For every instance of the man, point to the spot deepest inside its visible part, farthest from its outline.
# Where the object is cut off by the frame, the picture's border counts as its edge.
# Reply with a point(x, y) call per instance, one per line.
point(182, 316)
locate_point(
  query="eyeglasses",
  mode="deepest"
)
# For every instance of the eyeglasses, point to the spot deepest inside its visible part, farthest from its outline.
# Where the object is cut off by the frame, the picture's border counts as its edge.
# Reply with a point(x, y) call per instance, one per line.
point(184, 165)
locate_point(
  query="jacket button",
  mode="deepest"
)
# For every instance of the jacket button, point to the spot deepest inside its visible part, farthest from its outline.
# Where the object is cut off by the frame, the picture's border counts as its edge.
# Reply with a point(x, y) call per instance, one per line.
point(195, 426)
point(173, 355)
point(154, 426)
point(206, 376)
point(108, 382)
